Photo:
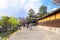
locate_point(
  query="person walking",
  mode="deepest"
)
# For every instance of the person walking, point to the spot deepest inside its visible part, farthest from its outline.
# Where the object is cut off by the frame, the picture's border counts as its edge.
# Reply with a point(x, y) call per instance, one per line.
point(26, 25)
point(30, 26)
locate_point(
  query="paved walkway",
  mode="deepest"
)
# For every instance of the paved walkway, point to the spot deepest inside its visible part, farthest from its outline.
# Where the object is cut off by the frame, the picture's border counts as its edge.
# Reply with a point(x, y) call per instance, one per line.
point(35, 34)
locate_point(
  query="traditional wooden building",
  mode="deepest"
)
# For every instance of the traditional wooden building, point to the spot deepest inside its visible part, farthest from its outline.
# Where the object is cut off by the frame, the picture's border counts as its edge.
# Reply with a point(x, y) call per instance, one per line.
point(51, 21)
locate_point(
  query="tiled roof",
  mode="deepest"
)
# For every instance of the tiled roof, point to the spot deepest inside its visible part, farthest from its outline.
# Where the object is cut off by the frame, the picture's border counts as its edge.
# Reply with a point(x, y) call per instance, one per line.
point(52, 12)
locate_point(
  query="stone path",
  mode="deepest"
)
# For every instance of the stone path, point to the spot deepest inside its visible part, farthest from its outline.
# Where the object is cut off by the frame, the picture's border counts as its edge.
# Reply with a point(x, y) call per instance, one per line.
point(34, 34)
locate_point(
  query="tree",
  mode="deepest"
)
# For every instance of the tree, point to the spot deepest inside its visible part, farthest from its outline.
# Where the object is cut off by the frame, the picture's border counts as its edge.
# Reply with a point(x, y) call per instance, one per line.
point(1, 23)
point(5, 22)
point(42, 11)
point(31, 14)
point(13, 22)
point(9, 23)
point(56, 2)
point(22, 21)
point(4, 19)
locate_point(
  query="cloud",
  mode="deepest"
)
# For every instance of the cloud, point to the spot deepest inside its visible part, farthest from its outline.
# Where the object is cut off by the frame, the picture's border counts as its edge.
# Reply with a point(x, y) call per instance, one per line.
point(35, 4)
point(3, 4)
point(14, 7)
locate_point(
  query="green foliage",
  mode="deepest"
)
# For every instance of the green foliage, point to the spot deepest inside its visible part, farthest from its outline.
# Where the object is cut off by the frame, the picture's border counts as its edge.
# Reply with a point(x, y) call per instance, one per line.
point(1, 23)
point(42, 11)
point(10, 25)
point(28, 18)
point(4, 19)
point(9, 22)
point(31, 14)
point(13, 22)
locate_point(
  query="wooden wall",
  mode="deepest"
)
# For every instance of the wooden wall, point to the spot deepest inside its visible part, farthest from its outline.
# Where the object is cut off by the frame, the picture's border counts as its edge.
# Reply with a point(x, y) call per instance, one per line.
point(52, 20)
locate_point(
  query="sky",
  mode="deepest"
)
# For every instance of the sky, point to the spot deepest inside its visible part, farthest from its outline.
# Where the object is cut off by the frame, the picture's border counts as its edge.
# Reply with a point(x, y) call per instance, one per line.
point(20, 8)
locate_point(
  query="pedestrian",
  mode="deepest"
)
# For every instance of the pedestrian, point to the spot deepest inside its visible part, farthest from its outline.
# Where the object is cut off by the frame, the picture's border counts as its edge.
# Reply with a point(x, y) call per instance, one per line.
point(30, 26)
point(26, 25)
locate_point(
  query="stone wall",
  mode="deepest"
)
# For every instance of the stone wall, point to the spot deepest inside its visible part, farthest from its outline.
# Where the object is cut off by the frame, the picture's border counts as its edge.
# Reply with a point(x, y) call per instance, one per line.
point(50, 22)
point(51, 29)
